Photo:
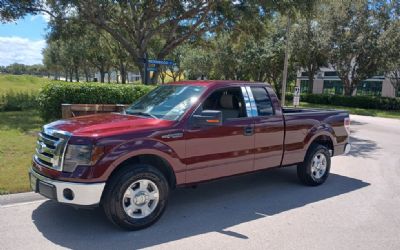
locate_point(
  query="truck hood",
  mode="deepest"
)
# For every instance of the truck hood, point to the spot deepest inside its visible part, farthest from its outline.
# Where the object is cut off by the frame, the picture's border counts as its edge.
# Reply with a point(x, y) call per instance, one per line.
point(107, 124)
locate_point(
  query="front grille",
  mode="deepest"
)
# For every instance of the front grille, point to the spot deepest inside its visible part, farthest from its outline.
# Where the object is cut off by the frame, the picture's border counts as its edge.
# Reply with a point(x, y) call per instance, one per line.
point(50, 148)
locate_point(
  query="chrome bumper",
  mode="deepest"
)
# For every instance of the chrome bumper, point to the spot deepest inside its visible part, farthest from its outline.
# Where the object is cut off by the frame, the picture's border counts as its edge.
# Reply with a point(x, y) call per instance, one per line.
point(73, 193)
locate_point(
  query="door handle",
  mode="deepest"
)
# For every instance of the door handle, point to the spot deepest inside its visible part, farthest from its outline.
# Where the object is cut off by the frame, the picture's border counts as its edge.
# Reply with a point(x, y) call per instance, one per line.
point(248, 131)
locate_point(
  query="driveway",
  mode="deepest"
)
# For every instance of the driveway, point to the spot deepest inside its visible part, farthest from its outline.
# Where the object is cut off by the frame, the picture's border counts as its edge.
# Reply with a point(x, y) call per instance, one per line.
point(357, 208)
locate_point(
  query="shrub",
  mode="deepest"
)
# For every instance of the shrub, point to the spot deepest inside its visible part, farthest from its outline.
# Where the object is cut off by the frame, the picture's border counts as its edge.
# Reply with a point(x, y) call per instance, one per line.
point(367, 102)
point(52, 95)
point(17, 101)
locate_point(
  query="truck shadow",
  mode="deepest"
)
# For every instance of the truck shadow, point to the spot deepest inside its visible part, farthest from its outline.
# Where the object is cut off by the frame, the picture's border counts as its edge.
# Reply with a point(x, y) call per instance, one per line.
point(212, 207)
point(363, 148)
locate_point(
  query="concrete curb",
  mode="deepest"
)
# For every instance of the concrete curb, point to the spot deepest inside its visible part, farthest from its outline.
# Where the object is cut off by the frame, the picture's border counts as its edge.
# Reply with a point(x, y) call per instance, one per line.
point(11, 199)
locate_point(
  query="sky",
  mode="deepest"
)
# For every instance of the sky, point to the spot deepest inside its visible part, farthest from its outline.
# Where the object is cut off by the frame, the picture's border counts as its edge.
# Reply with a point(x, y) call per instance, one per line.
point(22, 41)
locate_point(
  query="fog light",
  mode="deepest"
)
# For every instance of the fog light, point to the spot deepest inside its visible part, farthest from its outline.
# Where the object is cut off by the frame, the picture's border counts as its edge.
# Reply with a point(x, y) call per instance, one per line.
point(68, 194)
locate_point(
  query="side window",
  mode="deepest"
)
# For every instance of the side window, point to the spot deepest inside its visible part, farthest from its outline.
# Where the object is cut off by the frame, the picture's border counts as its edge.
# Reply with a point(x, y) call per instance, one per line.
point(229, 101)
point(263, 102)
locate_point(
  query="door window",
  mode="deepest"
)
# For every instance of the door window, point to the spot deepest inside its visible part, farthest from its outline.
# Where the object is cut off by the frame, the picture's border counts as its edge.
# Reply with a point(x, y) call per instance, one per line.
point(229, 101)
point(262, 100)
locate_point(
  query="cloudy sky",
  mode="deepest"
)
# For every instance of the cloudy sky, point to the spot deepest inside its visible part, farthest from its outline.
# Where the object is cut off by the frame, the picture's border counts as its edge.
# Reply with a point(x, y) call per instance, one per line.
point(23, 41)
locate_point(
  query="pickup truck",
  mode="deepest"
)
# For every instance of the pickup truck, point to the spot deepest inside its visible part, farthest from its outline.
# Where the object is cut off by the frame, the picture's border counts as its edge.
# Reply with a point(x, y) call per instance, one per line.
point(181, 134)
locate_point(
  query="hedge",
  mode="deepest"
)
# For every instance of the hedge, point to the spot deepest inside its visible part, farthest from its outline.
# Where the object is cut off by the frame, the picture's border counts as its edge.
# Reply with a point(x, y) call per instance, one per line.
point(17, 101)
point(367, 102)
point(52, 95)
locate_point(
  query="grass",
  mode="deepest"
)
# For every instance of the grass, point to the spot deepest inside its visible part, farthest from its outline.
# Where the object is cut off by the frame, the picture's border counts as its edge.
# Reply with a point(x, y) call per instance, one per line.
point(21, 83)
point(18, 132)
point(356, 111)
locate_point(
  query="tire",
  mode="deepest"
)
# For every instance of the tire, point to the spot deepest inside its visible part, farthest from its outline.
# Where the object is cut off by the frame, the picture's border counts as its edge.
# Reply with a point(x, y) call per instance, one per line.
point(126, 202)
point(314, 175)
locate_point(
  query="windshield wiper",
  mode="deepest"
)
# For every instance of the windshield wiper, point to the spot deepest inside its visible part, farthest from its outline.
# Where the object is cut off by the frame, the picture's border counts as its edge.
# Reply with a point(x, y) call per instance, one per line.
point(141, 113)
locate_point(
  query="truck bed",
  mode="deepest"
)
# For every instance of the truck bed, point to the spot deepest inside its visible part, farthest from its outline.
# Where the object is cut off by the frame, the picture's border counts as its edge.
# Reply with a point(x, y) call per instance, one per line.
point(288, 111)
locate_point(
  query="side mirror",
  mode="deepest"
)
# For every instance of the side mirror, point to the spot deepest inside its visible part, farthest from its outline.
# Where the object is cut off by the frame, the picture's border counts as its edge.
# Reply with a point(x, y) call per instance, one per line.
point(208, 118)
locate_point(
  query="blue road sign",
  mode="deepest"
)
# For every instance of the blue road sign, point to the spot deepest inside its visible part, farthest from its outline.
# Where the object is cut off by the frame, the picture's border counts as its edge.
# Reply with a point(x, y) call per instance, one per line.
point(162, 62)
point(151, 69)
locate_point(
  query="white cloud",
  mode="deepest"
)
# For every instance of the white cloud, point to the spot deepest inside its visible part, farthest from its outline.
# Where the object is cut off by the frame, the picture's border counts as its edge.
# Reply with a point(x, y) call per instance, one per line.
point(44, 16)
point(20, 50)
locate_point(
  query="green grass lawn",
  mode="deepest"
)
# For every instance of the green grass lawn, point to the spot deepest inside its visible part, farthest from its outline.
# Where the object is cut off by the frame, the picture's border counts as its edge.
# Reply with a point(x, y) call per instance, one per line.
point(18, 131)
point(356, 111)
point(21, 83)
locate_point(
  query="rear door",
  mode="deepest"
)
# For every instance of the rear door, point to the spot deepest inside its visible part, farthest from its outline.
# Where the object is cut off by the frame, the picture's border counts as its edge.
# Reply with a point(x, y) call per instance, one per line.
point(218, 151)
point(269, 129)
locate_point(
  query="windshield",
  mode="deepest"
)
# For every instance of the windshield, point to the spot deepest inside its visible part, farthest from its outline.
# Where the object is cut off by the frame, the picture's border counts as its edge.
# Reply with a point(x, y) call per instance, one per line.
point(168, 102)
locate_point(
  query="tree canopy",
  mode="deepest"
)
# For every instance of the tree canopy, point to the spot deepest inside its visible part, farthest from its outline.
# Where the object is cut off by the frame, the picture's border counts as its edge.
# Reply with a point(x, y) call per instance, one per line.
point(243, 39)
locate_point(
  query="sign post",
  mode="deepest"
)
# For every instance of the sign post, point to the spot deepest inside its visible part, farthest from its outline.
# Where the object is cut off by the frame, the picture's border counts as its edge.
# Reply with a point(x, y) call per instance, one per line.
point(296, 96)
point(155, 62)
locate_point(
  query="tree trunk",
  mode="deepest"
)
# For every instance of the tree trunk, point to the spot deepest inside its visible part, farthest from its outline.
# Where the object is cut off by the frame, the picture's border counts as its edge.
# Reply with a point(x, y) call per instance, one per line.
point(86, 74)
point(76, 74)
point(102, 74)
point(348, 89)
point(71, 73)
point(122, 69)
point(154, 78)
point(108, 76)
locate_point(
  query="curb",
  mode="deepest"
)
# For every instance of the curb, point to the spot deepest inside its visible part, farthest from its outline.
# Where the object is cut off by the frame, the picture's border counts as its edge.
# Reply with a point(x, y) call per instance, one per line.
point(27, 197)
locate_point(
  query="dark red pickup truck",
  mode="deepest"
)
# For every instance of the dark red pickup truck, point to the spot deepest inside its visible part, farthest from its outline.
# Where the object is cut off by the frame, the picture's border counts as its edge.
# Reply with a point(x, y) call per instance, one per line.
point(181, 134)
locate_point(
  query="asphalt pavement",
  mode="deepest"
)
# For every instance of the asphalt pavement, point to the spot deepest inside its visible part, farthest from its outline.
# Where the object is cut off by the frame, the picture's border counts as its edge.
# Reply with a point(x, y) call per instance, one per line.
point(357, 208)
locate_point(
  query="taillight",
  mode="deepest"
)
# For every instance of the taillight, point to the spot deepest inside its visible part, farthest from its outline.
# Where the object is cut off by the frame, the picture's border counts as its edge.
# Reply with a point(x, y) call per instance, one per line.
point(347, 124)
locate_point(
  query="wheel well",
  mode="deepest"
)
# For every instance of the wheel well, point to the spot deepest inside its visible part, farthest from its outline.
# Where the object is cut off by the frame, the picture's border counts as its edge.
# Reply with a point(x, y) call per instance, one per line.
point(324, 140)
point(161, 164)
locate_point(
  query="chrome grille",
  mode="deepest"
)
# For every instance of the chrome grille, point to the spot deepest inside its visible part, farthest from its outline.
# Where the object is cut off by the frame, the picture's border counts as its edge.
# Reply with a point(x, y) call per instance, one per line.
point(50, 148)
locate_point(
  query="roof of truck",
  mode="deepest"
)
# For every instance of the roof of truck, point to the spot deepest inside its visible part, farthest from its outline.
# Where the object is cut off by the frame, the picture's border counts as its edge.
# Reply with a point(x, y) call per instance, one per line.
point(214, 82)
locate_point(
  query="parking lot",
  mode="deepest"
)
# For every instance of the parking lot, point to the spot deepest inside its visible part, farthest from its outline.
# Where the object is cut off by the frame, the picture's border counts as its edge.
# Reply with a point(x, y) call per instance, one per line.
point(357, 208)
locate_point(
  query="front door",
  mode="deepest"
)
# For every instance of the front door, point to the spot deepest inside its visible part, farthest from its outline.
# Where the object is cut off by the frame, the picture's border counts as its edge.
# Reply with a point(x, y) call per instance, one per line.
point(218, 151)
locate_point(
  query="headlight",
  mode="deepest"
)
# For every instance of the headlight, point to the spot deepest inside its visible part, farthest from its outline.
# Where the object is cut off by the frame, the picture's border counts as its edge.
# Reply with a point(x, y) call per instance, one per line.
point(81, 155)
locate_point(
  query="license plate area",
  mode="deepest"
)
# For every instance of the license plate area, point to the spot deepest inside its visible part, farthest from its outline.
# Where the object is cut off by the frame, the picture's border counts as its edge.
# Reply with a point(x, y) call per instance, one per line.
point(46, 189)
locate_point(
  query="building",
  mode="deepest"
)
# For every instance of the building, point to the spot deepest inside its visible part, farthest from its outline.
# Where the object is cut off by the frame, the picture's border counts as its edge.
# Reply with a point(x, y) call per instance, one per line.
point(326, 81)
point(131, 77)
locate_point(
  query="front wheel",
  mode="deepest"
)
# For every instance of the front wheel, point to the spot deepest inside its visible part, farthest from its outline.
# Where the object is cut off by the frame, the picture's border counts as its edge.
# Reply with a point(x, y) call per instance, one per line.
point(316, 166)
point(136, 197)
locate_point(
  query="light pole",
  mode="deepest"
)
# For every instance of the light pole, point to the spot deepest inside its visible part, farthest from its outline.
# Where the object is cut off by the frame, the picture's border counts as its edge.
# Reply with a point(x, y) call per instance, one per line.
point(285, 65)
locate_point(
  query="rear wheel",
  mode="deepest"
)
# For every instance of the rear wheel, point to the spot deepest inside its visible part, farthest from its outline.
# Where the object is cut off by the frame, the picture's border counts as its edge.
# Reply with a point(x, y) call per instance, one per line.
point(316, 166)
point(136, 197)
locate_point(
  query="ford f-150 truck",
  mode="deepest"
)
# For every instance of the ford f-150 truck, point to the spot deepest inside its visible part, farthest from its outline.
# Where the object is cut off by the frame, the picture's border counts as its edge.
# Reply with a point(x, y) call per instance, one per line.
point(181, 134)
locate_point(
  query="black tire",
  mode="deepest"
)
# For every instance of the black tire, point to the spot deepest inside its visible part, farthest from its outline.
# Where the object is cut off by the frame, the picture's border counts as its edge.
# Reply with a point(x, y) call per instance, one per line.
point(304, 170)
point(112, 201)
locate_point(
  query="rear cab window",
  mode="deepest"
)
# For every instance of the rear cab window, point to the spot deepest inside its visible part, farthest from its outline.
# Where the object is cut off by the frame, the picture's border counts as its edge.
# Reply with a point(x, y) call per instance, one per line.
point(262, 101)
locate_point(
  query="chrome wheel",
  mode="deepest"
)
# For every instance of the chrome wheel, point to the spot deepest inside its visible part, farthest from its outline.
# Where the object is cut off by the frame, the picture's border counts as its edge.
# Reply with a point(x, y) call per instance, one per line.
point(318, 166)
point(140, 199)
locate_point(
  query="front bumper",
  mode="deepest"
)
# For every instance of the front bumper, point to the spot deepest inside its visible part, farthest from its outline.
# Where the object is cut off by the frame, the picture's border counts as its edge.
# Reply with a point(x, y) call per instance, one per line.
point(81, 194)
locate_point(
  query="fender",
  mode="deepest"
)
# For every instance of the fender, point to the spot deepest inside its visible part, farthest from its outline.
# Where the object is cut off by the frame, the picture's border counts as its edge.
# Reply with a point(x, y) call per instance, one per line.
point(318, 130)
point(143, 146)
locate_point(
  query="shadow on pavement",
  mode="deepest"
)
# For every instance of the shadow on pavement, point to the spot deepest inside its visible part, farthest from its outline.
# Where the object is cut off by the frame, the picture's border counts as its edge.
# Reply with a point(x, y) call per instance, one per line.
point(362, 147)
point(212, 207)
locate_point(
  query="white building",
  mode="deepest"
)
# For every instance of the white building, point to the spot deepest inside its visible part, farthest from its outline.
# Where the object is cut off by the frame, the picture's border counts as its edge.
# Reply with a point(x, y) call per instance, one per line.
point(132, 77)
point(326, 81)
